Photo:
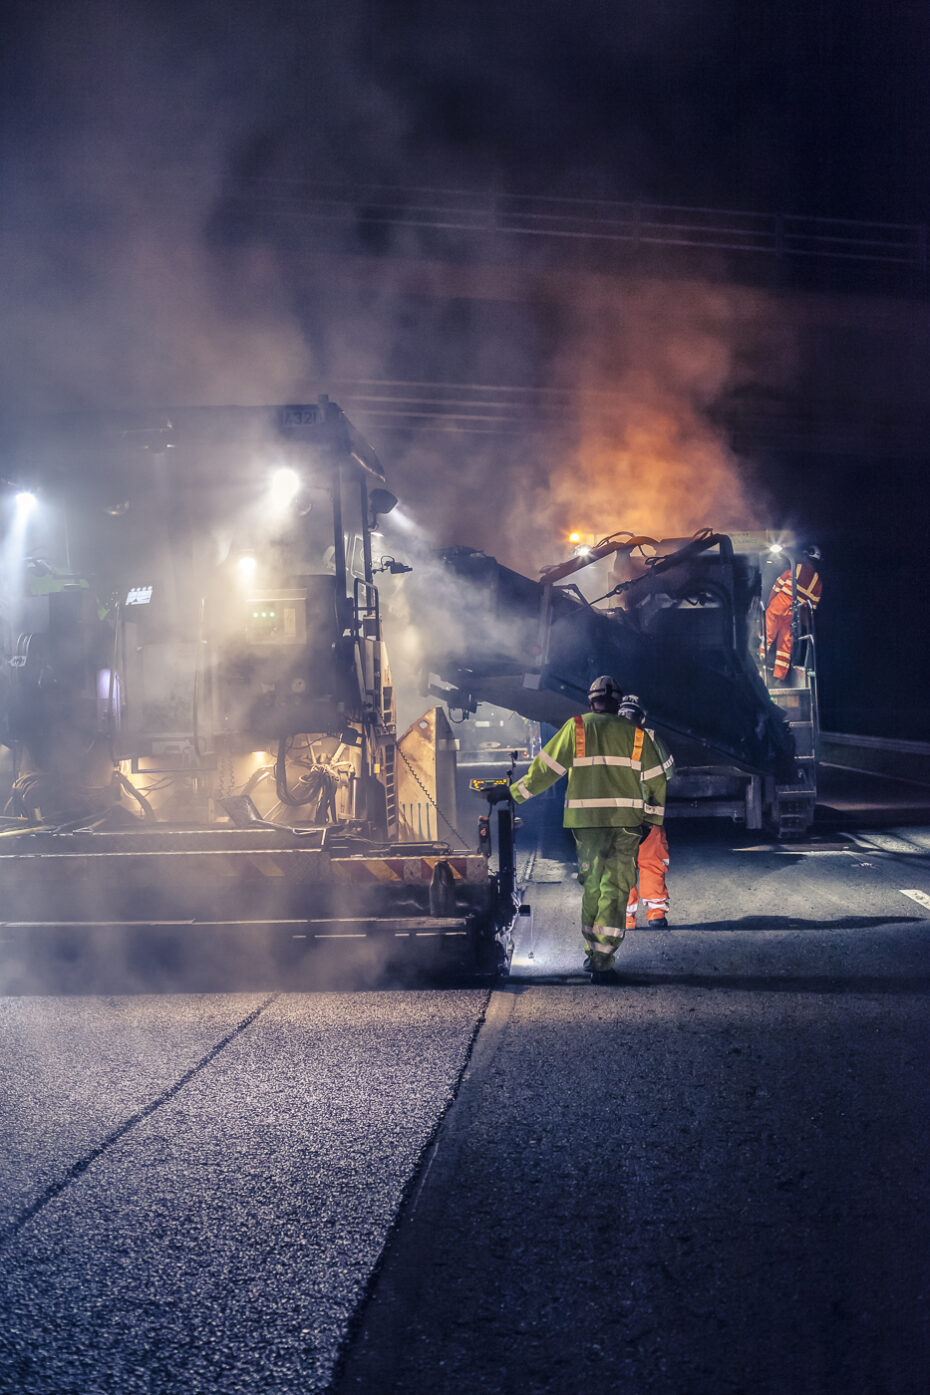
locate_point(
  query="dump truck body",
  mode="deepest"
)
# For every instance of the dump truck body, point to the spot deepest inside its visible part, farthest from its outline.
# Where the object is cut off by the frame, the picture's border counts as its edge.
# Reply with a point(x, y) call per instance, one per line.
point(683, 633)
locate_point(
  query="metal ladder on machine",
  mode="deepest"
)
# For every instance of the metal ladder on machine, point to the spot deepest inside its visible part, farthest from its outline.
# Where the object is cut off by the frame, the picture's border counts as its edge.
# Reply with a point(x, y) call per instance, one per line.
point(794, 804)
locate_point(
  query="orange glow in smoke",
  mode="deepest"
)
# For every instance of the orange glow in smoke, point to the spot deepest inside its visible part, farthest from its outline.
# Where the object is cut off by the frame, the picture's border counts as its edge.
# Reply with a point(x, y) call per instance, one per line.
point(651, 454)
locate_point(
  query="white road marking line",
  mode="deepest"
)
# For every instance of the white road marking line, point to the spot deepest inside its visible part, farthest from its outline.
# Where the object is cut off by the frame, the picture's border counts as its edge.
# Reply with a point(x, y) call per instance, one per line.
point(921, 897)
point(800, 852)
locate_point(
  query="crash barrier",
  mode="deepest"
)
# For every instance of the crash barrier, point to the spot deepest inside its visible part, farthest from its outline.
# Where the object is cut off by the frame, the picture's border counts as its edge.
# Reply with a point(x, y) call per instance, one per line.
point(877, 755)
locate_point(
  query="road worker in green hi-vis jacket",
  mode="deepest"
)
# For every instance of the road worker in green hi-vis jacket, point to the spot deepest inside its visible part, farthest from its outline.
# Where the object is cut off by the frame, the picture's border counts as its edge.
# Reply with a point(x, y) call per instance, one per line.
point(615, 794)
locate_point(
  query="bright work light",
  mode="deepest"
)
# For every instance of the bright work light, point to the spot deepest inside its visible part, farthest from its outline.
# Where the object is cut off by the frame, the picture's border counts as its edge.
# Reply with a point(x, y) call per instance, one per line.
point(285, 485)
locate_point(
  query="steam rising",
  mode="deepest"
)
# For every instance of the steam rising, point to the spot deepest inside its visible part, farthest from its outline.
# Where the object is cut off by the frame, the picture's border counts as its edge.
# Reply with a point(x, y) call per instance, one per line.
point(650, 365)
point(130, 284)
point(115, 296)
point(623, 432)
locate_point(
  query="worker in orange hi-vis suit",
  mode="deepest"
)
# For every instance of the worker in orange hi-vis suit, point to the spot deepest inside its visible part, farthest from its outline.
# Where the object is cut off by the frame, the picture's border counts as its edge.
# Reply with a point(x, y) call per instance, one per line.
point(652, 855)
point(778, 609)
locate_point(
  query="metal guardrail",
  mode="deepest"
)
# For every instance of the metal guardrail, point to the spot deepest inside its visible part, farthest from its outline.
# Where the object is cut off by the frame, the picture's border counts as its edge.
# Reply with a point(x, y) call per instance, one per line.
point(877, 743)
point(629, 223)
point(907, 761)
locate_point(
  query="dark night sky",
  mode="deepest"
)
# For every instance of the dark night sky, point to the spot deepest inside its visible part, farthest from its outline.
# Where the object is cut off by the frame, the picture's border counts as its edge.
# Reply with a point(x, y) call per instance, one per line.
point(816, 107)
point(121, 126)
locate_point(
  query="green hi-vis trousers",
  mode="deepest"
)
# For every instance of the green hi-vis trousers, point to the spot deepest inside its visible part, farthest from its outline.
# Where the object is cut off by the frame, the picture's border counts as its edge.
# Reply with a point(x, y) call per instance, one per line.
point(607, 871)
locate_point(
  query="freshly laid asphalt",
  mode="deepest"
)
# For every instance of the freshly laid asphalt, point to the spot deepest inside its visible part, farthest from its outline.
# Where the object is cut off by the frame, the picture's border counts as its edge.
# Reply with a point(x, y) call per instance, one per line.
point(709, 1178)
point(220, 1243)
point(75, 1070)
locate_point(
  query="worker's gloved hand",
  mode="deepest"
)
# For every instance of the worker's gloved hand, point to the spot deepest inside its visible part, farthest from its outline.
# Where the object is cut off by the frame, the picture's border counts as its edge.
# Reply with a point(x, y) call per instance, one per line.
point(497, 794)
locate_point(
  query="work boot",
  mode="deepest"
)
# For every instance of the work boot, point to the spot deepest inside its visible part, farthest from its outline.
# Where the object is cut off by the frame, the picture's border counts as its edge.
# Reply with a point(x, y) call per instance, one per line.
point(604, 977)
point(600, 972)
point(661, 923)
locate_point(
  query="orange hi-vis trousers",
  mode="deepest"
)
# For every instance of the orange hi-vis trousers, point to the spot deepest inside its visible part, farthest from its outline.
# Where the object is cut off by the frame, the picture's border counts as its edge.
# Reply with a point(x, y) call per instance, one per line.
point(778, 632)
point(651, 865)
point(809, 587)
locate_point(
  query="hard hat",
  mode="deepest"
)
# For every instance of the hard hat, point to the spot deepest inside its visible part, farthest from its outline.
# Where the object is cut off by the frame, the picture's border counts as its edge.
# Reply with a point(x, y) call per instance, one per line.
point(813, 552)
point(605, 687)
point(632, 709)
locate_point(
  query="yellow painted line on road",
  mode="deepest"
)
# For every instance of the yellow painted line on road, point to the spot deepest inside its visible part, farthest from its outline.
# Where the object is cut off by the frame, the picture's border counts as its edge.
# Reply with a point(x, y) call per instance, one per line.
point(921, 897)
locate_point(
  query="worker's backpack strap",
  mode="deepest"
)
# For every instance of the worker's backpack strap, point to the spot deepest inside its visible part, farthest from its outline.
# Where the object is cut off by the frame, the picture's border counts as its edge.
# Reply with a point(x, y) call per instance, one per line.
point(637, 756)
point(579, 737)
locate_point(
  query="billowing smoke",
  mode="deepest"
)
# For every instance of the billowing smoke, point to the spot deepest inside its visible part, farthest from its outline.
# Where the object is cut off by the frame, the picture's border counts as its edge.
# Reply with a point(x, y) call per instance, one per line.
point(129, 281)
point(650, 364)
point(119, 290)
point(627, 430)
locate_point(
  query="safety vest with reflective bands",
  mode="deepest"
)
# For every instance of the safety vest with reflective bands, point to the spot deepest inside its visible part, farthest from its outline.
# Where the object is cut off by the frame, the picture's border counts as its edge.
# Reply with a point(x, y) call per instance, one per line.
point(666, 759)
point(809, 585)
point(615, 773)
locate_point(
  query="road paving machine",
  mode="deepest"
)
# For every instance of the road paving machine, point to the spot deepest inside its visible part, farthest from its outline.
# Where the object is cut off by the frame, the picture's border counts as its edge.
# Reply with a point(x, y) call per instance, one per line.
point(680, 621)
point(196, 704)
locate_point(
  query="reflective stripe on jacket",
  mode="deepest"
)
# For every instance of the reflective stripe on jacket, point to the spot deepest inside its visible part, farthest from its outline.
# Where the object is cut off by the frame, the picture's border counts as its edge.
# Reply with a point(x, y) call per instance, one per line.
point(809, 585)
point(666, 759)
point(616, 774)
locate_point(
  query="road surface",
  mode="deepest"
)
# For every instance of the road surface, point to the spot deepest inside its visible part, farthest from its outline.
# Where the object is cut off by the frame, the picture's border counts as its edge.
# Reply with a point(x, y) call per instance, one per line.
point(710, 1178)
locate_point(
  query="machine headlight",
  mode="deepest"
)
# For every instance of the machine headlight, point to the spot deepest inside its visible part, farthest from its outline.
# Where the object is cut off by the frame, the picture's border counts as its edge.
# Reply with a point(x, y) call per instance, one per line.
point(285, 486)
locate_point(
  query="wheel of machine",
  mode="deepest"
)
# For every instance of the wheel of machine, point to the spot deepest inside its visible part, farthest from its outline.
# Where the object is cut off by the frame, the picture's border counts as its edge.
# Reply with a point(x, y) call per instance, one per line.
point(442, 891)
